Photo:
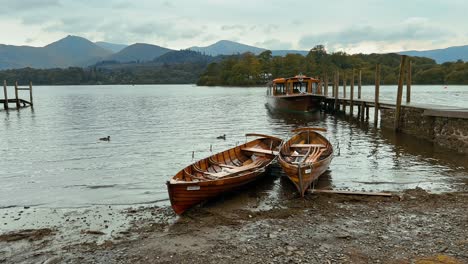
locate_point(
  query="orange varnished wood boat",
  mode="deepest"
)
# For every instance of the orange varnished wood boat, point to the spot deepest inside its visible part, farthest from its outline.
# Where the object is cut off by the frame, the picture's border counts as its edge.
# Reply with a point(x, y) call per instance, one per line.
point(305, 156)
point(223, 172)
point(294, 94)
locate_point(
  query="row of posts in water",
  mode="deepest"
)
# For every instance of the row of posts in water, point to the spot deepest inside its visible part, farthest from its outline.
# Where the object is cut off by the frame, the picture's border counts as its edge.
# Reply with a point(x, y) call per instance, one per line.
point(16, 100)
point(405, 72)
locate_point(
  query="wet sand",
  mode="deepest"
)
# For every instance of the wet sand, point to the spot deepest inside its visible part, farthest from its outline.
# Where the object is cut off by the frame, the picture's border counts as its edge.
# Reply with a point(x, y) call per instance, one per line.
point(252, 227)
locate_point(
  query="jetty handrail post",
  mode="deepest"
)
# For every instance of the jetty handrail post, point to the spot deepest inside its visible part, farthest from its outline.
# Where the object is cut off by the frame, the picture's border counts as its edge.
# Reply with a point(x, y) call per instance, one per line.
point(351, 95)
point(30, 93)
point(359, 85)
point(408, 83)
point(5, 94)
point(400, 92)
point(16, 95)
point(377, 94)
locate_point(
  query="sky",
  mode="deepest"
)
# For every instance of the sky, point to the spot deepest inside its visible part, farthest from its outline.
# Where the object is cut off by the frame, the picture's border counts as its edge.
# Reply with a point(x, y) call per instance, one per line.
point(365, 26)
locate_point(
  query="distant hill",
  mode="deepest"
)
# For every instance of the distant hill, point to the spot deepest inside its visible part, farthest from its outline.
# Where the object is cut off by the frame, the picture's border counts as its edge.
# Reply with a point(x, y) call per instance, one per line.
point(285, 52)
point(69, 51)
point(111, 46)
point(227, 47)
point(138, 52)
point(14, 57)
point(75, 51)
point(184, 56)
point(441, 55)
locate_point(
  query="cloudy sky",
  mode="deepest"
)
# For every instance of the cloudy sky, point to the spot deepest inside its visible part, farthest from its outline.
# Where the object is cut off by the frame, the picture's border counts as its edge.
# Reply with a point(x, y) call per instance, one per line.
point(352, 26)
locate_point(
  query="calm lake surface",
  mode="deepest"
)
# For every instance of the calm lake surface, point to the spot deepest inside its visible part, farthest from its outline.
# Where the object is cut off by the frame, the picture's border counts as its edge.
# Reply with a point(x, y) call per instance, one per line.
point(50, 156)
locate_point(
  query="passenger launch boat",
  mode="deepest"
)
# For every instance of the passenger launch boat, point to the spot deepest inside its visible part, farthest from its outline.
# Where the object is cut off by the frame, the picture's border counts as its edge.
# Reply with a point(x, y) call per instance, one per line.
point(295, 94)
point(305, 156)
point(223, 172)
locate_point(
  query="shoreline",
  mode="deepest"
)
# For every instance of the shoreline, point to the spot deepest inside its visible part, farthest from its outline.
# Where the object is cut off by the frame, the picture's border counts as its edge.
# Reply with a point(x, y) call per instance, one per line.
point(249, 226)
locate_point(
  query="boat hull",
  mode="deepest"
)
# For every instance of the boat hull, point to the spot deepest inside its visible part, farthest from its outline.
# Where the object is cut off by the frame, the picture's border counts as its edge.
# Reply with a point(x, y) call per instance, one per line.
point(303, 174)
point(186, 195)
point(295, 103)
point(222, 172)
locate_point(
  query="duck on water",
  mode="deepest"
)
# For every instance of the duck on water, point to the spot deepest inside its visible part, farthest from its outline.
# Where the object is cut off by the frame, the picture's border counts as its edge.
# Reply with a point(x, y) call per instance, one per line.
point(105, 138)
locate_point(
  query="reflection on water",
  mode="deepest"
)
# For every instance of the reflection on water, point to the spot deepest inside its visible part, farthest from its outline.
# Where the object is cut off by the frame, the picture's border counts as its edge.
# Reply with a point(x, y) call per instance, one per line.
point(51, 155)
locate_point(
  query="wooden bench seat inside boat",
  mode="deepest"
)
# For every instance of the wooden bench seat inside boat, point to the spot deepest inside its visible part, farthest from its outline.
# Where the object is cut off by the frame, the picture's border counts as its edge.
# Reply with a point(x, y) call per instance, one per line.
point(307, 146)
point(236, 170)
point(262, 151)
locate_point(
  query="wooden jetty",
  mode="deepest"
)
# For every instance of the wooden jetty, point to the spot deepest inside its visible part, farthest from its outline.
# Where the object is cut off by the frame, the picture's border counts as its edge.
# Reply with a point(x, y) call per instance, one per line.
point(444, 125)
point(18, 102)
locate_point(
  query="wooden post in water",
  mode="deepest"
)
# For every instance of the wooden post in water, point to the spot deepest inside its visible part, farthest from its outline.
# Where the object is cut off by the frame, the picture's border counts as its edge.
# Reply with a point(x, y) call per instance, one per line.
point(408, 83)
point(5, 104)
point(359, 85)
point(344, 85)
point(30, 93)
point(377, 94)
point(325, 88)
point(336, 90)
point(351, 95)
point(16, 95)
point(344, 92)
point(400, 92)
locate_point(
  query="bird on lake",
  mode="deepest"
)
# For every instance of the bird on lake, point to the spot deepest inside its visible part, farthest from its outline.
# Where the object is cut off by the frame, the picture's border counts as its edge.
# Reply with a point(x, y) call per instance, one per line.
point(222, 137)
point(105, 138)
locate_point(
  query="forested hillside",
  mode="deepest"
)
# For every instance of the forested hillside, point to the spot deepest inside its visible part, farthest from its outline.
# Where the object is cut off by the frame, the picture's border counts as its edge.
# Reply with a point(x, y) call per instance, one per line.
point(249, 69)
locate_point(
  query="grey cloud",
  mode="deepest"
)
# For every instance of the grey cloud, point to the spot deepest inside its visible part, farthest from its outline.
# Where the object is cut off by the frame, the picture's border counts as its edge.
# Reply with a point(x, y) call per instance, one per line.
point(274, 44)
point(270, 28)
point(71, 25)
point(26, 5)
point(409, 30)
point(233, 27)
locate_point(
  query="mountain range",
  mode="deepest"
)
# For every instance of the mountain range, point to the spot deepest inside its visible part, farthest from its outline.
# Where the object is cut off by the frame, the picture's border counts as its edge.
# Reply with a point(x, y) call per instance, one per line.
point(77, 51)
point(441, 55)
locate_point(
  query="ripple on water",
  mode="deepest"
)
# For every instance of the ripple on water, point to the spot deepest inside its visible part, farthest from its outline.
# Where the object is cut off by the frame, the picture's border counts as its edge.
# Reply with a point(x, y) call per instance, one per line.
point(51, 154)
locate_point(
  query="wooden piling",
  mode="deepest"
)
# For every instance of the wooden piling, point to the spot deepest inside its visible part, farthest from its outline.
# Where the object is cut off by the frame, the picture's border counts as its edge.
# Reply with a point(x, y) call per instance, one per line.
point(363, 106)
point(351, 95)
point(359, 85)
point(30, 93)
point(16, 95)
point(336, 90)
point(400, 92)
point(325, 90)
point(344, 92)
point(358, 111)
point(5, 94)
point(344, 85)
point(377, 94)
point(408, 83)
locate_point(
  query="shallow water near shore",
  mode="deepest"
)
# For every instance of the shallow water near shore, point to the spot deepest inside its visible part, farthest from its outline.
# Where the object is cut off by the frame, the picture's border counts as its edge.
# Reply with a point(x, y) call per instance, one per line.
point(51, 156)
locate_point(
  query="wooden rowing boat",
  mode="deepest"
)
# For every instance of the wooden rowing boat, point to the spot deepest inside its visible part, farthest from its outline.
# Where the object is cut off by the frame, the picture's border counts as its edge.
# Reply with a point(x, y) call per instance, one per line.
point(305, 156)
point(223, 172)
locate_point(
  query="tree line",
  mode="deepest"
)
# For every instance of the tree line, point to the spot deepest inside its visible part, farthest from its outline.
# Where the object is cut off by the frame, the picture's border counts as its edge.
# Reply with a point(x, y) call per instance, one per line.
point(183, 67)
point(136, 74)
point(249, 69)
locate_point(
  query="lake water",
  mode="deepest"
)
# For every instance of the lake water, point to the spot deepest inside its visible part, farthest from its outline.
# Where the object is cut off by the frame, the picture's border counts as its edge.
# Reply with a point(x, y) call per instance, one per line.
point(50, 156)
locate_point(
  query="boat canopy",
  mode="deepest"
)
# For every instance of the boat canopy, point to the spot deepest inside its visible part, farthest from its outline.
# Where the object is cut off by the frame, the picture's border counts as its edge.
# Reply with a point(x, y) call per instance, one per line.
point(299, 84)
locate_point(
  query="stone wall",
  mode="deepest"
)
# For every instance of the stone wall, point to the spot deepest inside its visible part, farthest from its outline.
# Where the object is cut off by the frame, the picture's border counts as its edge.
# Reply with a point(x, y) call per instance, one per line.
point(445, 131)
